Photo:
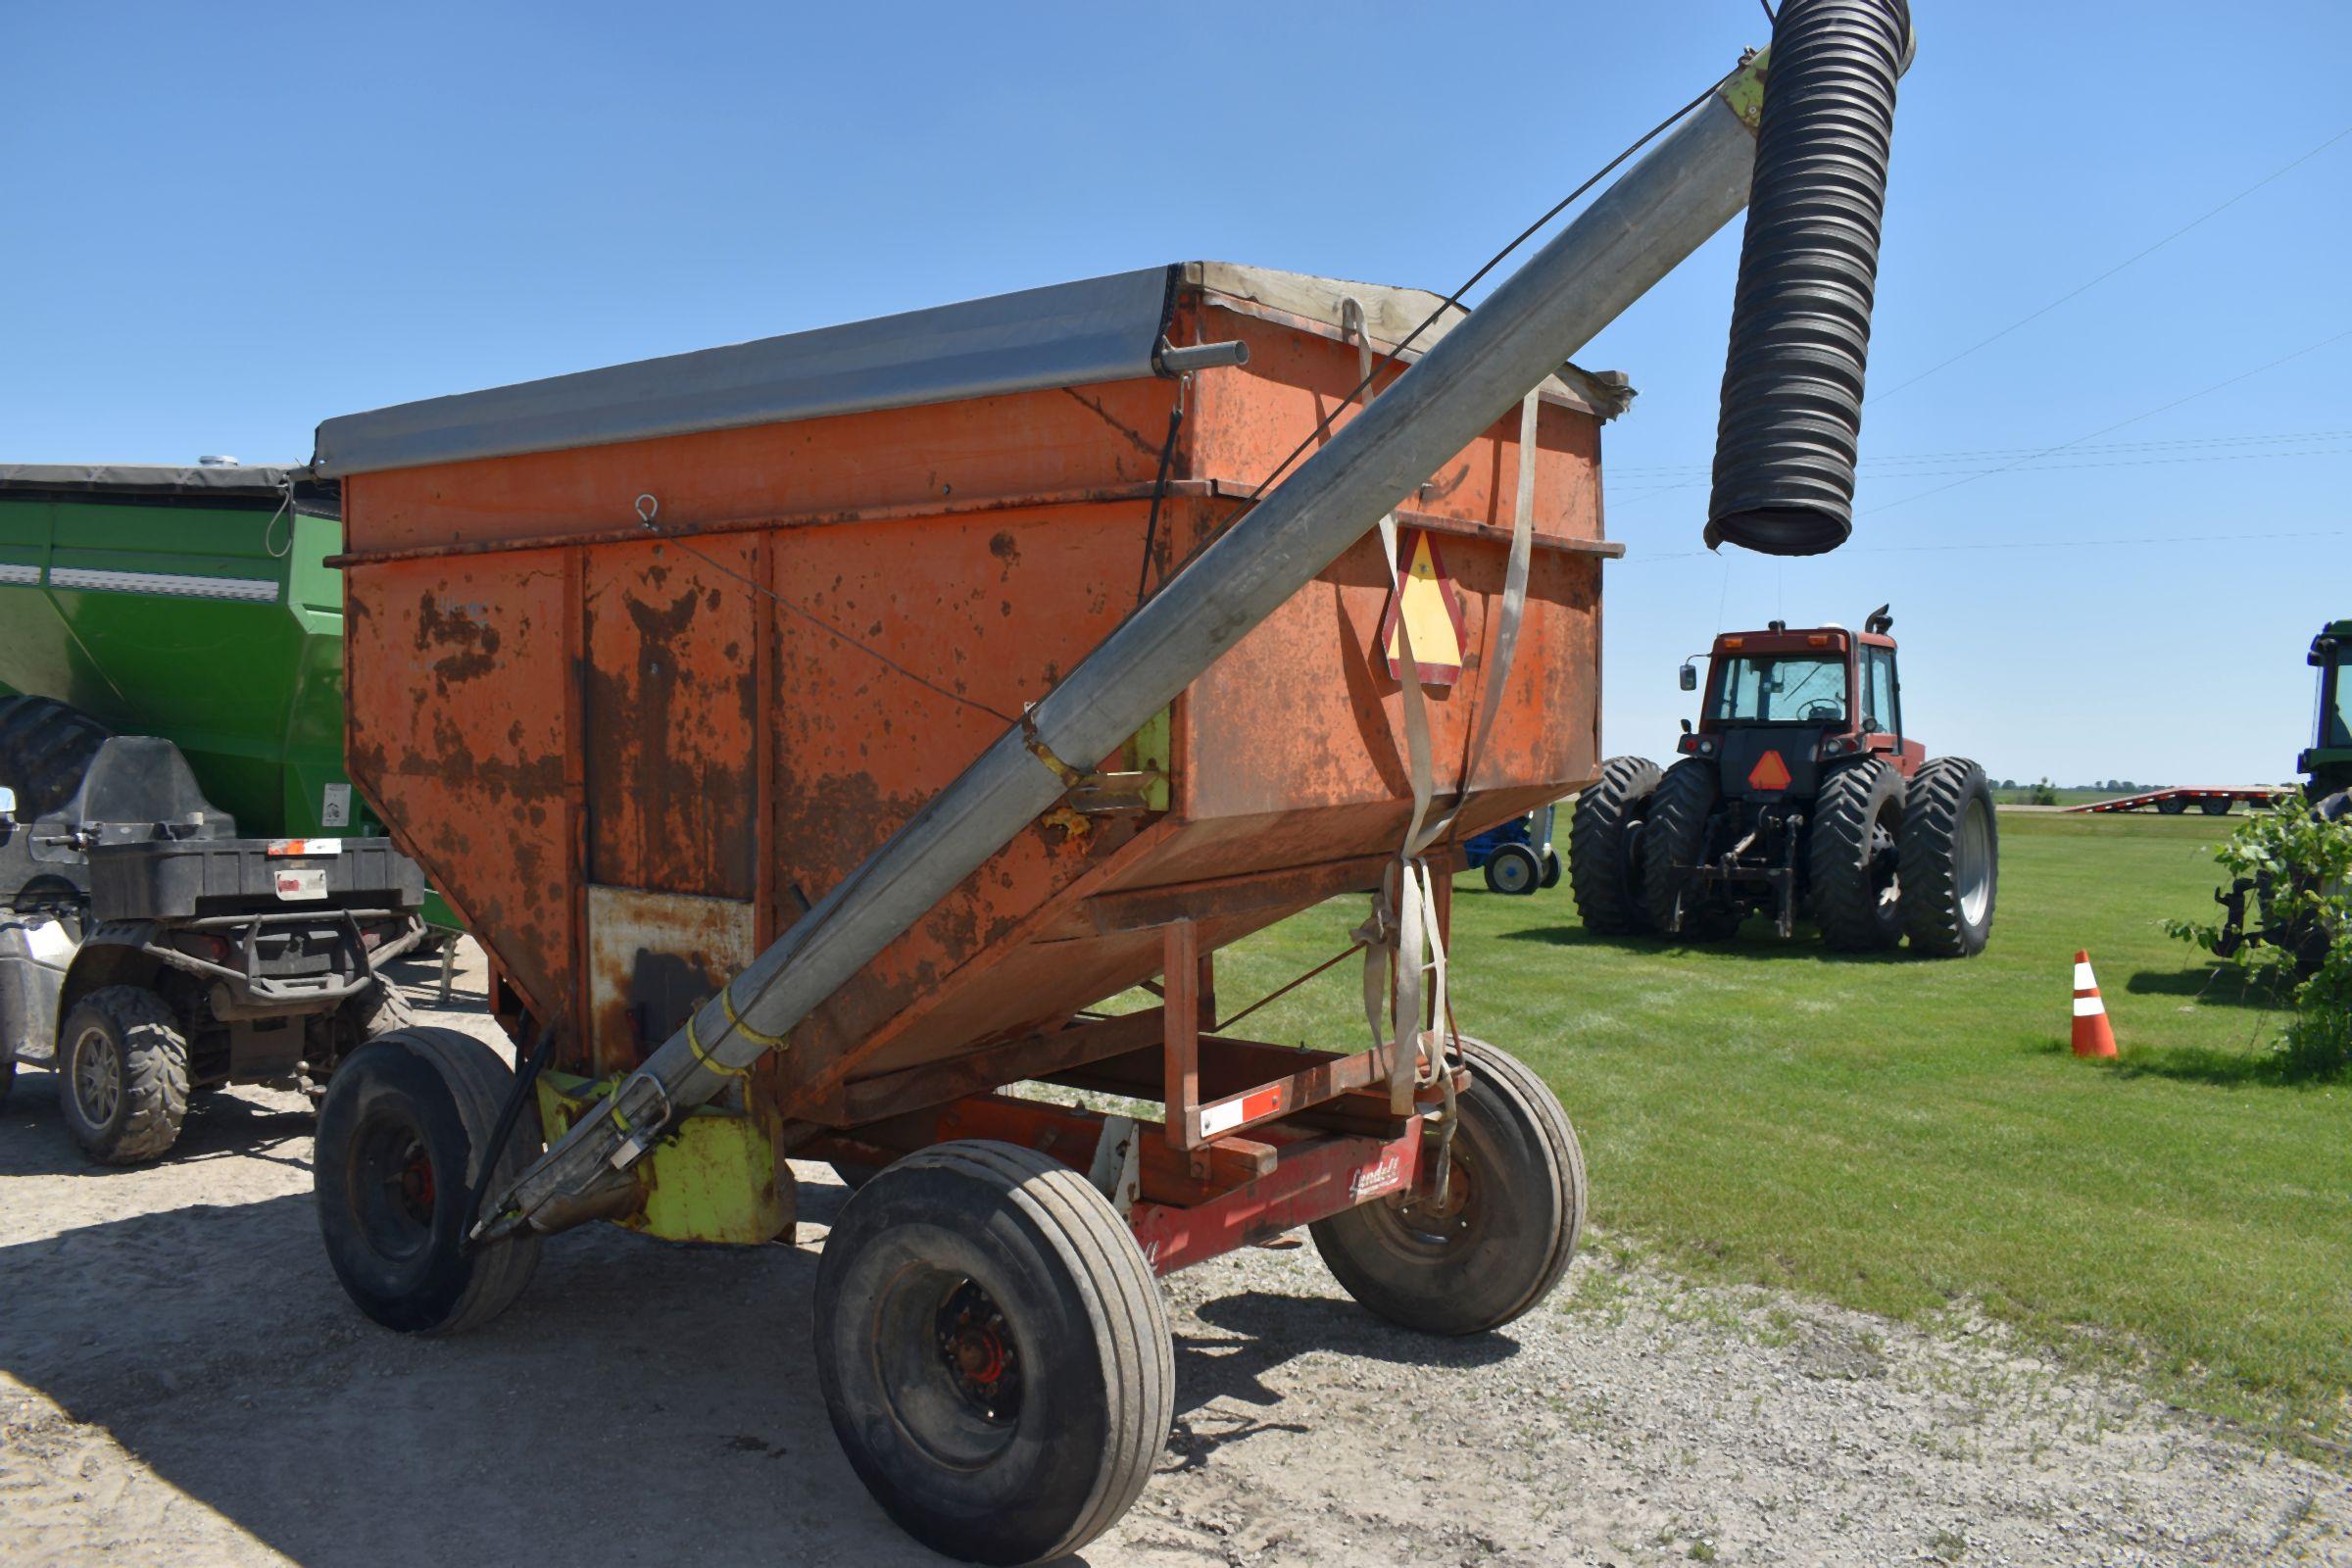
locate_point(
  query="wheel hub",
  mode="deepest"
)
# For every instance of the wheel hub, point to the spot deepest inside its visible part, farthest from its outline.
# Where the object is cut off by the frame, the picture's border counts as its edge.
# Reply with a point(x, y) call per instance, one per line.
point(97, 1077)
point(411, 1183)
point(977, 1348)
point(1425, 1216)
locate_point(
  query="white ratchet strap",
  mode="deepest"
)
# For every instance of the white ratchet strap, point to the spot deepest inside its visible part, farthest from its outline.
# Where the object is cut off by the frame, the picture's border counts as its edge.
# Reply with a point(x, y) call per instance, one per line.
point(1406, 888)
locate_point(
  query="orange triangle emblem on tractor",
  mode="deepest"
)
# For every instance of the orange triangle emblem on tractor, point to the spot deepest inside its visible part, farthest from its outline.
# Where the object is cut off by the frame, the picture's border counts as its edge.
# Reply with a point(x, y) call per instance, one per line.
point(1769, 773)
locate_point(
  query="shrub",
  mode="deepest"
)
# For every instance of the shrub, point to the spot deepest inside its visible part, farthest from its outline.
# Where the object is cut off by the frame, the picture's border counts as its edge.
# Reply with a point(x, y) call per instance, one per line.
point(2297, 867)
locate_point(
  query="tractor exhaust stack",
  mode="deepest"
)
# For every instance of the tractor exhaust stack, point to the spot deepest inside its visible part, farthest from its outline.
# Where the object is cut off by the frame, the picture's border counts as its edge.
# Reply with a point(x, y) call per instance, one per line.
point(1664, 208)
point(1792, 413)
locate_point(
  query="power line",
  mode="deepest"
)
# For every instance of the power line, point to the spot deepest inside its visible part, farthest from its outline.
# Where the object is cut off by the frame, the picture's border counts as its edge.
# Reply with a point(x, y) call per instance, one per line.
point(2027, 464)
point(2129, 261)
point(2041, 544)
point(2284, 437)
point(2163, 408)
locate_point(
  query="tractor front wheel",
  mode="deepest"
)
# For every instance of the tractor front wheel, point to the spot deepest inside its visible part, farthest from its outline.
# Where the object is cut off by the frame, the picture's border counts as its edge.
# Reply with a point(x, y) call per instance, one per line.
point(122, 1065)
point(1952, 859)
point(401, 1136)
point(1854, 857)
point(1604, 837)
point(1513, 1212)
point(1674, 841)
point(993, 1351)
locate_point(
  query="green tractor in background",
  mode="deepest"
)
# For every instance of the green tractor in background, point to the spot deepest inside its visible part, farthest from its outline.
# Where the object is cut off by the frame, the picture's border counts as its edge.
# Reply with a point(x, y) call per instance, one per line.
point(2326, 763)
point(2326, 769)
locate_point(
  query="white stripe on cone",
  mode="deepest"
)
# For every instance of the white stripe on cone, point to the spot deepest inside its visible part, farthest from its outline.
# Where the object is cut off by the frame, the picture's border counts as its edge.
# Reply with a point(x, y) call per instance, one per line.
point(2089, 1006)
point(2082, 979)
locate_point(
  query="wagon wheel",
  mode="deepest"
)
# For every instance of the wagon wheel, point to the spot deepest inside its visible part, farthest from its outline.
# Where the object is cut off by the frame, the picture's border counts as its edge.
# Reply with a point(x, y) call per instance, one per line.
point(2174, 806)
point(1514, 868)
point(993, 1351)
point(2216, 806)
point(1515, 1211)
point(398, 1149)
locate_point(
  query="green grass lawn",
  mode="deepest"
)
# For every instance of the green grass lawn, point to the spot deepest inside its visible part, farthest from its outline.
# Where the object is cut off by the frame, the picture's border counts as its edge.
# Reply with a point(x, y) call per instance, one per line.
point(1914, 1138)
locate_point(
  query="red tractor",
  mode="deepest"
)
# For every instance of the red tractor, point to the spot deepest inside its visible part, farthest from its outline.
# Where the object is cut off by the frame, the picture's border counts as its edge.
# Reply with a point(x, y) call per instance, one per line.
point(1796, 791)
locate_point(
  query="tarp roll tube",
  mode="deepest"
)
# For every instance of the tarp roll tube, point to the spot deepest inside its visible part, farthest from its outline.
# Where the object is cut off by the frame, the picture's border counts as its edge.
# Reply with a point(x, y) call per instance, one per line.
point(1792, 414)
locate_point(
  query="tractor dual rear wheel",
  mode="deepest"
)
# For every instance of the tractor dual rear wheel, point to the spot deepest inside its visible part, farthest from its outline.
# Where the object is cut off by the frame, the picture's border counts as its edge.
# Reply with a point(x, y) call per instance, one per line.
point(1513, 1213)
point(1854, 858)
point(1952, 859)
point(993, 1351)
point(1674, 841)
point(399, 1149)
point(1604, 841)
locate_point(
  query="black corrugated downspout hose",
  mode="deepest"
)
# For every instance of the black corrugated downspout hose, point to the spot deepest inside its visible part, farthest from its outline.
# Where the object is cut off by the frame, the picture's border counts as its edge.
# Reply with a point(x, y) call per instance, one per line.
point(1786, 441)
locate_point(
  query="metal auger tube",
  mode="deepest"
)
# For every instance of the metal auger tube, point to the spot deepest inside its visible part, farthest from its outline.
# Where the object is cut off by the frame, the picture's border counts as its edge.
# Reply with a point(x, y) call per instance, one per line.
point(1661, 210)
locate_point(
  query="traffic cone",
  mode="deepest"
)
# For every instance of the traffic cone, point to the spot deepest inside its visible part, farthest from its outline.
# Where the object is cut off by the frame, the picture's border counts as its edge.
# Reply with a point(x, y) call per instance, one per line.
point(2093, 1036)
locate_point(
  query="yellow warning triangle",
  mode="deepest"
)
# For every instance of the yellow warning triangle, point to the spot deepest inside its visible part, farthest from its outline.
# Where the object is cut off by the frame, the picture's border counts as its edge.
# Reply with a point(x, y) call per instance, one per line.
point(1426, 611)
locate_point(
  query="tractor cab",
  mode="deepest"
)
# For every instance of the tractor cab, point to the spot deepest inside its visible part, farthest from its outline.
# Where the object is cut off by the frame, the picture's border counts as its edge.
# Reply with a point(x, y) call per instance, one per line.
point(2327, 764)
point(1782, 705)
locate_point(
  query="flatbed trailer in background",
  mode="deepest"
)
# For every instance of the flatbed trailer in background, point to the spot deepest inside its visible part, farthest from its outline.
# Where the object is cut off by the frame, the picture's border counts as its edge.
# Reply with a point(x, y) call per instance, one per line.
point(2212, 800)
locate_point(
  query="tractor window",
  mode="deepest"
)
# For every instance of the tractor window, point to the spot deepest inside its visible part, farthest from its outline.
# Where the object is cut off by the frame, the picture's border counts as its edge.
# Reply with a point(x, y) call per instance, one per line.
point(1796, 690)
point(1880, 715)
point(2335, 706)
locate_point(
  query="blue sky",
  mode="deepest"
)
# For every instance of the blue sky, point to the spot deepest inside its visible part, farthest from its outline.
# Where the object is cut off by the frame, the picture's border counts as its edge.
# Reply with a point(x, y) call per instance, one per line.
point(234, 222)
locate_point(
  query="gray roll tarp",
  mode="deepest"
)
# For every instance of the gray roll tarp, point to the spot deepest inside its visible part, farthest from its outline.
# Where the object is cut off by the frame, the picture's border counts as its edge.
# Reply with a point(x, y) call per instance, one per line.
point(1068, 334)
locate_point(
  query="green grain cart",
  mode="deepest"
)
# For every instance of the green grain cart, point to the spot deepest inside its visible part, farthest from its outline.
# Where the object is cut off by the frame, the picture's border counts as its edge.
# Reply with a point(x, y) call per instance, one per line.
point(194, 604)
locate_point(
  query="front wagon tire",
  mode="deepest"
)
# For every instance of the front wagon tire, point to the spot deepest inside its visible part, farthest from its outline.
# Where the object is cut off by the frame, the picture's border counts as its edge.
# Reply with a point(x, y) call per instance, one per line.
point(400, 1138)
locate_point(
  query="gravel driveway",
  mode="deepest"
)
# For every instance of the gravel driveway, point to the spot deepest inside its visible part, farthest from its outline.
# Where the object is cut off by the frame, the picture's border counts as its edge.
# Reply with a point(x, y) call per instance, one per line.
point(181, 1381)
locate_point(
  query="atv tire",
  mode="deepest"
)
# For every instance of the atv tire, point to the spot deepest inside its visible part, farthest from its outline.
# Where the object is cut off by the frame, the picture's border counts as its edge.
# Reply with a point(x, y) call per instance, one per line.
point(1674, 840)
point(45, 748)
point(1952, 859)
point(1854, 859)
point(1605, 841)
point(123, 1075)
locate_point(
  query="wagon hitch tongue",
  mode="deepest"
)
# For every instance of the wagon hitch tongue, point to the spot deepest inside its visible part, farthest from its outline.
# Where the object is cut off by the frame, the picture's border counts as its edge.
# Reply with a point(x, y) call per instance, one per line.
point(1665, 205)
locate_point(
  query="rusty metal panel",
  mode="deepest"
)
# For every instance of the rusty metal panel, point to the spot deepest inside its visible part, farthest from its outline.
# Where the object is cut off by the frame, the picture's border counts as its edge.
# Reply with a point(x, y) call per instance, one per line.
point(652, 958)
point(1028, 443)
point(671, 679)
point(913, 647)
point(1248, 420)
point(456, 674)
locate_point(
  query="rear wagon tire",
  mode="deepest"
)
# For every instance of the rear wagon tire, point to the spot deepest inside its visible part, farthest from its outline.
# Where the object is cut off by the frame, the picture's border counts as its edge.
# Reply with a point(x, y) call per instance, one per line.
point(993, 1351)
point(1604, 837)
point(1512, 1223)
point(1952, 859)
point(123, 1075)
point(398, 1149)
